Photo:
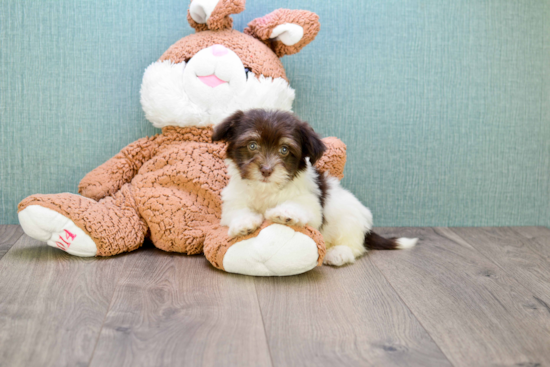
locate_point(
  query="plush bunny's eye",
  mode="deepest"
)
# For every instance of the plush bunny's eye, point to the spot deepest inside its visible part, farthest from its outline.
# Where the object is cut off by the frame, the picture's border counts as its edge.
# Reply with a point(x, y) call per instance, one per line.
point(246, 71)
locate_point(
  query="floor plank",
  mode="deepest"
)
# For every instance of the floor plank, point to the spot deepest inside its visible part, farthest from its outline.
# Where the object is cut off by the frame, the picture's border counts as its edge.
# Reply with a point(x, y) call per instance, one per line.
point(346, 316)
point(539, 239)
point(511, 252)
point(52, 305)
point(474, 310)
point(9, 234)
point(178, 310)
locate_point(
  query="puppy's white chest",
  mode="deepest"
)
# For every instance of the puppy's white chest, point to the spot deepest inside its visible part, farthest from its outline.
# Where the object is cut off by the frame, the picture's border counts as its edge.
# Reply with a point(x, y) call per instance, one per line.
point(263, 199)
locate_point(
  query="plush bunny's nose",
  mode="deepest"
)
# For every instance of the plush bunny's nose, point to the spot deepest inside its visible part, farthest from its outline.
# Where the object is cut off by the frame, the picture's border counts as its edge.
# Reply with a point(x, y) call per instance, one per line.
point(219, 50)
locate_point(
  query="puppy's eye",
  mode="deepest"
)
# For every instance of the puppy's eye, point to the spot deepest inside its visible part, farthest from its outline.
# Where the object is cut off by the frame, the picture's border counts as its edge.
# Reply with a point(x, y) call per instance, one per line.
point(252, 146)
point(284, 150)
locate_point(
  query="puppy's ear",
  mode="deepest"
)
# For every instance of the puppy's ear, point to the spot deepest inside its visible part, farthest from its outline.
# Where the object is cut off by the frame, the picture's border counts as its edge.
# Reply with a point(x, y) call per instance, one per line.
point(312, 145)
point(225, 130)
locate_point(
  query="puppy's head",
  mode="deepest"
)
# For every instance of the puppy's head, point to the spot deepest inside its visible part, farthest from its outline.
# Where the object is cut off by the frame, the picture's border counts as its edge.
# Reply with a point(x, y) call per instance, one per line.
point(269, 146)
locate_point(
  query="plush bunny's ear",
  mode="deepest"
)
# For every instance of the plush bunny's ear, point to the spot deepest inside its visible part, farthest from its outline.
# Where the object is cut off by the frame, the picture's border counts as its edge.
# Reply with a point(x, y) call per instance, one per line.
point(285, 31)
point(213, 14)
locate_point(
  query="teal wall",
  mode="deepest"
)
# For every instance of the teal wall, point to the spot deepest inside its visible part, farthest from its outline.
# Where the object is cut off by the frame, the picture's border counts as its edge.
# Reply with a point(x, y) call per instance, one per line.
point(444, 104)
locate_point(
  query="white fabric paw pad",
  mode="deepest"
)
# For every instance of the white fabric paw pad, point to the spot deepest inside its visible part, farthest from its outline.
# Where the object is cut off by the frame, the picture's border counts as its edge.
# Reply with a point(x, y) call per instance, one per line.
point(277, 251)
point(338, 256)
point(56, 230)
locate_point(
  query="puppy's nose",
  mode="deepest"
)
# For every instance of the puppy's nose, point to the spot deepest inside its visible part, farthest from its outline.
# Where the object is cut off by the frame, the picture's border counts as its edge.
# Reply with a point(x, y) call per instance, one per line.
point(219, 50)
point(266, 170)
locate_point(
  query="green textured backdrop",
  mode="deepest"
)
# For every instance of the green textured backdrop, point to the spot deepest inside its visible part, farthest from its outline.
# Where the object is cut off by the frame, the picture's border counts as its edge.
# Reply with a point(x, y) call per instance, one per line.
point(444, 104)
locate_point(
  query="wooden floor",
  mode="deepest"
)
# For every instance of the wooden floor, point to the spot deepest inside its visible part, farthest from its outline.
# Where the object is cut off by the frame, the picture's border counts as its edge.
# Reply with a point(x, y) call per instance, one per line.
point(462, 297)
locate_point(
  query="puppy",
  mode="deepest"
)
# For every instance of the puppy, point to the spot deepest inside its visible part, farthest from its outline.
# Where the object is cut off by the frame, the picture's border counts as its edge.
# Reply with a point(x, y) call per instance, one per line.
point(270, 160)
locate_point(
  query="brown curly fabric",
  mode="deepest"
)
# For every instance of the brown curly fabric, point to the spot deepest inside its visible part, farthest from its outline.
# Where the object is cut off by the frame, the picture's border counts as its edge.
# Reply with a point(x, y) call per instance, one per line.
point(334, 159)
point(167, 186)
point(254, 54)
point(216, 245)
point(107, 179)
point(198, 26)
point(262, 28)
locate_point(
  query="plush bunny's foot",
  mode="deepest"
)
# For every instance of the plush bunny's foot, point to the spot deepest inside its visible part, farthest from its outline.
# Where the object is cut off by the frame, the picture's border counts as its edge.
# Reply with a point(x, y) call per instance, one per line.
point(56, 230)
point(272, 250)
point(277, 251)
point(82, 226)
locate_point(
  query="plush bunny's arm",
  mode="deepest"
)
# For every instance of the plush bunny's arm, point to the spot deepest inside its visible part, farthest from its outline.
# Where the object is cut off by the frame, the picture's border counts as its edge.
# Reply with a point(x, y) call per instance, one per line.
point(334, 158)
point(108, 178)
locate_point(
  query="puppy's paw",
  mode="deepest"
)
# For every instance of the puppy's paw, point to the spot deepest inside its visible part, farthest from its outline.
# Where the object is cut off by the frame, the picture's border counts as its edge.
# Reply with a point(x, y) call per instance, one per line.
point(289, 215)
point(245, 225)
point(338, 256)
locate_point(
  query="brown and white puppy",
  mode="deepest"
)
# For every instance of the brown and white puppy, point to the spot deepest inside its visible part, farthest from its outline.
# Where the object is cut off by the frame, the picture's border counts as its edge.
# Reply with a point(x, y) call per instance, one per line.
point(270, 158)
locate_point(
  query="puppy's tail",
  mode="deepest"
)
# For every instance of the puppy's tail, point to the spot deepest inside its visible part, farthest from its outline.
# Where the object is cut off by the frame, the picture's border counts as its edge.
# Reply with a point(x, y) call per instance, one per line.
point(376, 242)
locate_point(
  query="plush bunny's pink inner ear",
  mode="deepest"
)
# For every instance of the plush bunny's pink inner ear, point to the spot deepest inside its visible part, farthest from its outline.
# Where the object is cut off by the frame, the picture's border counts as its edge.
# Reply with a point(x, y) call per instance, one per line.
point(285, 31)
point(213, 14)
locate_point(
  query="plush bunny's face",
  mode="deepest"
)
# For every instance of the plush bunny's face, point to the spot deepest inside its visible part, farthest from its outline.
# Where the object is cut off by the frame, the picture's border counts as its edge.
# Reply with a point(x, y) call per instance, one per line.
point(206, 76)
point(214, 76)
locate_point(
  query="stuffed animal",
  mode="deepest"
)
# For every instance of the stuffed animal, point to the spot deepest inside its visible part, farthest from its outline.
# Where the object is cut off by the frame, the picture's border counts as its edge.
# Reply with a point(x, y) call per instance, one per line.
point(167, 187)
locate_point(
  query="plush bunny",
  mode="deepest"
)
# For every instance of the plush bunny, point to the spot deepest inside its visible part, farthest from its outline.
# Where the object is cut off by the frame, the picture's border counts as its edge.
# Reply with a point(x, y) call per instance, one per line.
point(167, 187)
